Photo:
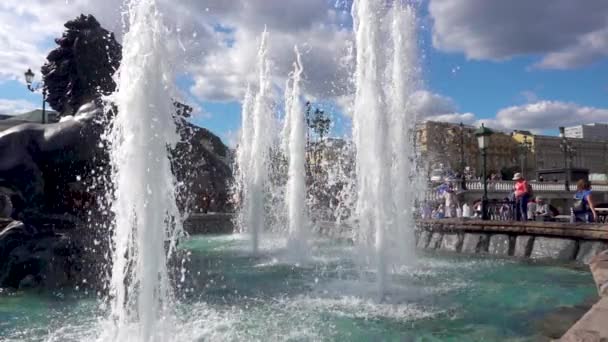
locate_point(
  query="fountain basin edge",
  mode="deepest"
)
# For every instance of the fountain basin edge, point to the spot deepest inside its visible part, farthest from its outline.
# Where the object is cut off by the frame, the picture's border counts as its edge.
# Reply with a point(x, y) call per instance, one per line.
point(580, 243)
point(563, 242)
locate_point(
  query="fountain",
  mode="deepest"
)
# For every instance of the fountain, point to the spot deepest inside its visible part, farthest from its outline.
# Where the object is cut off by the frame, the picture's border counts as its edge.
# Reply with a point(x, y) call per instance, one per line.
point(382, 130)
point(253, 157)
point(227, 295)
point(295, 136)
point(406, 183)
point(243, 162)
point(147, 222)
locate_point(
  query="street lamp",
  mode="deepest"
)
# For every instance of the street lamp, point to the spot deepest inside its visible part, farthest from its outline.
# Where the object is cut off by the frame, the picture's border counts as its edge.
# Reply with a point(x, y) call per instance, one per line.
point(29, 79)
point(463, 183)
point(569, 152)
point(483, 139)
point(524, 147)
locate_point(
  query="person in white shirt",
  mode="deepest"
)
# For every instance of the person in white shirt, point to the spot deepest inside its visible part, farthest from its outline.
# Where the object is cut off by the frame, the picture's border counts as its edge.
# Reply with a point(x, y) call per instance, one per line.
point(450, 201)
point(532, 205)
point(543, 209)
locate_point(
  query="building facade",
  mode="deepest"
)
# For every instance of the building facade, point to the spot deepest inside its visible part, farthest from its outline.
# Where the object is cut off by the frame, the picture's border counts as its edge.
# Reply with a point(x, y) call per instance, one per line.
point(594, 131)
point(546, 152)
point(448, 146)
point(454, 147)
point(35, 116)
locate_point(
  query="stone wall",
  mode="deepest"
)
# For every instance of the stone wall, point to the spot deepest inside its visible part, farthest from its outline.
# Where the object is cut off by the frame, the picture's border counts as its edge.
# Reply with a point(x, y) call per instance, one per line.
point(536, 240)
point(592, 326)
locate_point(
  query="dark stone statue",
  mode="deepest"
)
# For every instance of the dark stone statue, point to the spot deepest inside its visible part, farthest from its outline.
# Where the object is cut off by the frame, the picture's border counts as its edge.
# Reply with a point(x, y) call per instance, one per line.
point(57, 175)
point(51, 168)
point(44, 168)
point(80, 69)
point(202, 163)
point(38, 162)
point(31, 257)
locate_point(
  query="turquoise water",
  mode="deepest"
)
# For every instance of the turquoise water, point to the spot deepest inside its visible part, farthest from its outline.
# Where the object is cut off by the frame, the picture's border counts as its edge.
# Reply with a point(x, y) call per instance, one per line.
point(228, 295)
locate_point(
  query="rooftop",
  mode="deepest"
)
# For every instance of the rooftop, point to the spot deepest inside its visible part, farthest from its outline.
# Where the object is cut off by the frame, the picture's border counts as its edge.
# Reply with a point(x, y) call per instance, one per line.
point(32, 116)
point(8, 121)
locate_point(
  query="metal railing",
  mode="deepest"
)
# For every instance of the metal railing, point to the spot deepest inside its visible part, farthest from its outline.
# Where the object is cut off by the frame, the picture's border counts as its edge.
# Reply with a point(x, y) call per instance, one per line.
point(507, 186)
point(497, 211)
point(501, 210)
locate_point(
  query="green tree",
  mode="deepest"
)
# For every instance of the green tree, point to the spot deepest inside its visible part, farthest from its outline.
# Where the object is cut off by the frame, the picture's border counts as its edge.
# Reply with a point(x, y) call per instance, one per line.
point(319, 124)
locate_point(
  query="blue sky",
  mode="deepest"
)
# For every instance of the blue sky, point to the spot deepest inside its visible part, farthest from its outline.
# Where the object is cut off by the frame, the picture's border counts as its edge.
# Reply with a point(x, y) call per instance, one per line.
point(509, 64)
point(484, 87)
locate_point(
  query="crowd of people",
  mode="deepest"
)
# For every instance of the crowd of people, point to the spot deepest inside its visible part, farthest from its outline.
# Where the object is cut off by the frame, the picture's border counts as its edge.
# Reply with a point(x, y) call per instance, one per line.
point(521, 205)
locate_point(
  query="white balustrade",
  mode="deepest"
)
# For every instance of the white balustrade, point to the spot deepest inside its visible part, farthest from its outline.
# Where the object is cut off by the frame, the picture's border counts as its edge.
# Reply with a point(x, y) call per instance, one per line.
point(507, 186)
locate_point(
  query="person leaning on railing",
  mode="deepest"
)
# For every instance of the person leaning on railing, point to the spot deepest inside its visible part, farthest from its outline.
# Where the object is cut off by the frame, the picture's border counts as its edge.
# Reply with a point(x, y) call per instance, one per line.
point(584, 208)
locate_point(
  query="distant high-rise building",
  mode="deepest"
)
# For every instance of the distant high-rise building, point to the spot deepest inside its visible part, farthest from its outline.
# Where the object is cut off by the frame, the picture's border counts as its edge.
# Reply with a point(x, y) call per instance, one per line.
point(594, 131)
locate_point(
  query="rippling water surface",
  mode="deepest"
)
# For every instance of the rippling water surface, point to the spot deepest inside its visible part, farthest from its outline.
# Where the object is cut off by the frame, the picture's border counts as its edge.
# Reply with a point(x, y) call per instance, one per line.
point(229, 295)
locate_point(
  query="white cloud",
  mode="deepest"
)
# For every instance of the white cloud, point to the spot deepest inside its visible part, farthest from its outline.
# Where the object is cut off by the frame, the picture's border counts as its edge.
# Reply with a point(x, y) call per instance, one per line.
point(312, 25)
point(27, 28)
point(216, 40)
point(565, 33)
point(590, 47)
point(10, 106)
point(435, 107)
point(544, 115)
point(529, 96)
point(537, 116)
point(216, 45)
point(231, 138)
point(465, 118)
point(495, 125)
point(198, 112)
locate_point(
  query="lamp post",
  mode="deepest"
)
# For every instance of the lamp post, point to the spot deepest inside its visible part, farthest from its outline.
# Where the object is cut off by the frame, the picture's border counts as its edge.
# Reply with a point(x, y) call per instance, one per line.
point(29, 78)
point(463, 183)
point(524, 147)
point(569, 151)
point(483, 139)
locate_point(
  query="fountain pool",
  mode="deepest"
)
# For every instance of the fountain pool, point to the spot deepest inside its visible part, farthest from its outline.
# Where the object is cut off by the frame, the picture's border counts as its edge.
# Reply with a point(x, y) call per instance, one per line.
point(229, 295)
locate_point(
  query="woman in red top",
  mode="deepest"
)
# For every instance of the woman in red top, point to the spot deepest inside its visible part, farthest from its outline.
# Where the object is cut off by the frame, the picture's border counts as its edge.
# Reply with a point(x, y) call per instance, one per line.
point(522, 196)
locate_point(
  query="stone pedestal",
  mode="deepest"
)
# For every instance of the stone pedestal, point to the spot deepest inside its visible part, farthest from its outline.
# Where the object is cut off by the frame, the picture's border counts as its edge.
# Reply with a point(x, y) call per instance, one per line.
point(589, 249)
point(475, 243)
point(553, 248)
point(523, 246)
point(423, 239)
point(599, 268)
point(435, 241)
point(499, 244)
point(451, 242)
